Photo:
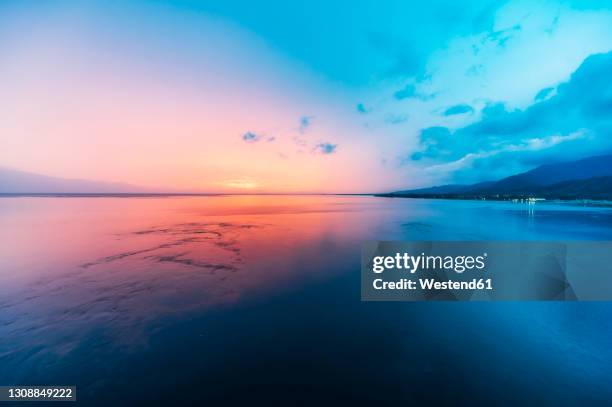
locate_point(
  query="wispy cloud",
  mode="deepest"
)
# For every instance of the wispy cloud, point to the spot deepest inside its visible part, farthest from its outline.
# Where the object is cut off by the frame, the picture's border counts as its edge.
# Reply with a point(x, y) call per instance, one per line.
point(410, 92)
point(396, 118)
point(361, 108)
point(325, 148)
point(251, 137)
point(305, 123)
point(501, 37)
point(543, 94)
point(529, 145)
point(458, 109)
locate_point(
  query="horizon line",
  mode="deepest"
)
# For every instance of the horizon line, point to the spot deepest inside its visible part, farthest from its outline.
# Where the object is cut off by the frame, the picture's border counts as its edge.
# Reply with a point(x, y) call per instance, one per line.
point(163, 194)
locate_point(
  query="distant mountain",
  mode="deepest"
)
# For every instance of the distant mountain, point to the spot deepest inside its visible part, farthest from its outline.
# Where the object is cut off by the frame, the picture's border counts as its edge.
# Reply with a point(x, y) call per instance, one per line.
point(14, 181)
point(549, 174)
point(590, 188)
point(448, 189)
point(588, 178)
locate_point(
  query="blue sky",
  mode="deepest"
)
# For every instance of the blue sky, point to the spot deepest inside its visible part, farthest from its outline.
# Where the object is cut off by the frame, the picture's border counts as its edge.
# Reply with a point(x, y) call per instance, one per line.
point(365, 95)
point(521, 78)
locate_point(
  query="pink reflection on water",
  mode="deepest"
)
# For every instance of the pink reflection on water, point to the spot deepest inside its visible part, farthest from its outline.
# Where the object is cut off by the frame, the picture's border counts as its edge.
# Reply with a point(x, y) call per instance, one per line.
point(72, 265)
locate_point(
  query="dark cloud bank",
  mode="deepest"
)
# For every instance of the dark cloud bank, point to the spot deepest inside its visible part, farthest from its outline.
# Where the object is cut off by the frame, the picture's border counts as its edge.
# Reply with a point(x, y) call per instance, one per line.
point(574, 122)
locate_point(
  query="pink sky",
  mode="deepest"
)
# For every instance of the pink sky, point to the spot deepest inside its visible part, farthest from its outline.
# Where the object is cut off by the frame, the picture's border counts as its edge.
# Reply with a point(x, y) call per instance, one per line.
point(77, 105)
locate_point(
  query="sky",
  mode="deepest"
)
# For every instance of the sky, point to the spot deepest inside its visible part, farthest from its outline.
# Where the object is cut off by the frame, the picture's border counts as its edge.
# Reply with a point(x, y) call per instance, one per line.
point(317, 96)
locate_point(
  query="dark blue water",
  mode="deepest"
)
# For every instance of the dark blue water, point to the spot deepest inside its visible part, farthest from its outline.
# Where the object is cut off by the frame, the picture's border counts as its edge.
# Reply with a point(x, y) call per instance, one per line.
point(236, 300)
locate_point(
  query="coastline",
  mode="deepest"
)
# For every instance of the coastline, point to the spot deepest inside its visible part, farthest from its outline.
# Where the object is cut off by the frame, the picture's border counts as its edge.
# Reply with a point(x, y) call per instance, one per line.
point(604, 203)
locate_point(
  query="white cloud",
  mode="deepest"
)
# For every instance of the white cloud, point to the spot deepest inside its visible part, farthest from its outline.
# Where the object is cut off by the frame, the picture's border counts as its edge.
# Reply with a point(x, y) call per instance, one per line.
point(532, 144)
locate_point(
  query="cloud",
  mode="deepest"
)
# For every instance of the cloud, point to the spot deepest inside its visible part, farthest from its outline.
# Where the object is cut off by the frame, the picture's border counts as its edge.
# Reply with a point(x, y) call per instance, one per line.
point(435, 142)
point(529, 145)
point(541, 95)
point(396, 118)
point(410, 92)
point(305, 122)
point(547, 129)
point(458, 109)
point(404, 39)
point(362, 109)
point(475, 70)
point(501, 37)
point(325, 148)
point(251, 137)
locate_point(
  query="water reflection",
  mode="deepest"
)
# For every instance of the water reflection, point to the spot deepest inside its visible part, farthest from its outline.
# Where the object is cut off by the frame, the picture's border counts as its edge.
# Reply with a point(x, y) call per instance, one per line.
point(96, 290)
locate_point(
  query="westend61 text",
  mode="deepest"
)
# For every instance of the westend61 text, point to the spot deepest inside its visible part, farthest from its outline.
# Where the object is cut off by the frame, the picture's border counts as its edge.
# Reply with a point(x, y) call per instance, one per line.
point(432, 284)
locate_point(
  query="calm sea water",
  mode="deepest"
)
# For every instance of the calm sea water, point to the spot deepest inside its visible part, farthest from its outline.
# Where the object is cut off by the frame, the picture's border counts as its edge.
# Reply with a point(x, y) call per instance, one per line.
point(240, 299)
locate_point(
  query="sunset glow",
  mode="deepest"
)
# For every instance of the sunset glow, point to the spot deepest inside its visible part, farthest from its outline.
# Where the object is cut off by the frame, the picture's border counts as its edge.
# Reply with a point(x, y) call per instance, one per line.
point(215, 97)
